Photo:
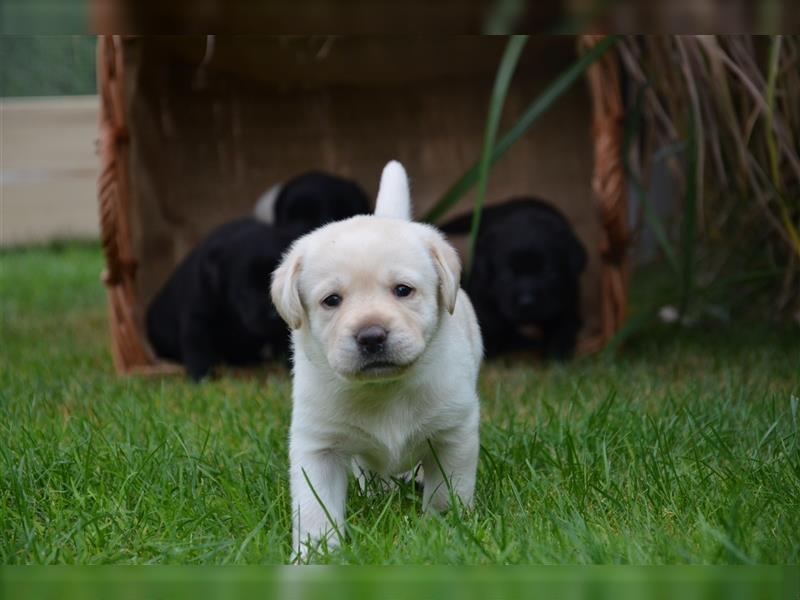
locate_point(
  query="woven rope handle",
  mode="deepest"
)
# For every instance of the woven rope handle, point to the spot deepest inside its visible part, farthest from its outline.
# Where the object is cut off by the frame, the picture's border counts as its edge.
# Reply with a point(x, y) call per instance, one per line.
point(608, 180)
point(114, 234)
point(107, 183)
point(129, 348)
point(608, 184)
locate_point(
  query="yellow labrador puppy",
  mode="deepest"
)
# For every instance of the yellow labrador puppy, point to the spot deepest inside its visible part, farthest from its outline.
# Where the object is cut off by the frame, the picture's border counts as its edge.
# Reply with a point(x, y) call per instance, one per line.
point(386, 357)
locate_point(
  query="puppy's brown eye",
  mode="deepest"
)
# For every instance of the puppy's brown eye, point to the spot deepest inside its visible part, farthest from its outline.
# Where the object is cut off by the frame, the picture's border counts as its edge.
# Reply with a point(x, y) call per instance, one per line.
point(402, 291)
point(332, 301)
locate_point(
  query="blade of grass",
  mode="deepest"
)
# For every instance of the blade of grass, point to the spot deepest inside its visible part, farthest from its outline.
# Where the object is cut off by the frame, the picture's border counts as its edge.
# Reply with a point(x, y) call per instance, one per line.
point(772, 149)
point(505, 72)
point(633, 126)
point(328, 516)
point(688, 237)
point(682, 261)
point(535, 110)
point(772, 146)
point(697, 127)
point(782, 136)
point(724, 99)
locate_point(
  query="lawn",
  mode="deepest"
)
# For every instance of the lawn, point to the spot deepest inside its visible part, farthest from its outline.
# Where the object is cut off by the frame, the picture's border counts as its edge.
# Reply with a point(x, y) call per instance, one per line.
point(685, 449)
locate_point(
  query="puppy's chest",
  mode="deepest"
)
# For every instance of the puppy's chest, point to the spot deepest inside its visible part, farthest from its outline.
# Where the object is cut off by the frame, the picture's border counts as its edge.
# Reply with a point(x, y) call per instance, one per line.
point(391, 440)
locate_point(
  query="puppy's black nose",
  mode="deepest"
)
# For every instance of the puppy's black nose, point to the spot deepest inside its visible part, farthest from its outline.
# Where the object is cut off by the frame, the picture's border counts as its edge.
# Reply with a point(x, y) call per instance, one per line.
point(526, 300)
point(370, 339)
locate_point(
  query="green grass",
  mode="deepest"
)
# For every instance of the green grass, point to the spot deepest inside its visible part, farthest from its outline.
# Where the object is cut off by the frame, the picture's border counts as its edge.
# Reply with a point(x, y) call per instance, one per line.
point(683, 450)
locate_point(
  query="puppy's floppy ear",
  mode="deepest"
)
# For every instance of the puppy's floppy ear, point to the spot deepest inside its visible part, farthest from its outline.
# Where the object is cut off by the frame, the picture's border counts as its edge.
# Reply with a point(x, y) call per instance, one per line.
point(211, 273)
point(482, 272)
point(448, 268)
point(285, 290)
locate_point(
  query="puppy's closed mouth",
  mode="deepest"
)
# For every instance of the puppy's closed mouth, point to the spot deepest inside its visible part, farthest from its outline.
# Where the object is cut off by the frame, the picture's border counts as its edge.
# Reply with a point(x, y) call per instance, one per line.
point(379, 364)
point(380, 369)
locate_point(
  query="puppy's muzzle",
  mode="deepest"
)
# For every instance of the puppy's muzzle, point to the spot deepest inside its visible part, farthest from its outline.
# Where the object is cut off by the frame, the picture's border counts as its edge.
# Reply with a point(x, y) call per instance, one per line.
point(371, 340)
point(526, 301)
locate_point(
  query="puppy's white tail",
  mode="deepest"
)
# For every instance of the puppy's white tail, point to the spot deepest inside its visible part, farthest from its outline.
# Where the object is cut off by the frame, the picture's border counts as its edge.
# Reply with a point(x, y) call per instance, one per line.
point(394, 199)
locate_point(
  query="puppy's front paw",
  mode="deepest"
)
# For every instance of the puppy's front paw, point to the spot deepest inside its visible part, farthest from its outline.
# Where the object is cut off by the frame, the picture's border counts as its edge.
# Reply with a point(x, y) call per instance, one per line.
point(450, 467)
point(306, 545)
point(559, 346)
point(199, 366)
point(319, 489)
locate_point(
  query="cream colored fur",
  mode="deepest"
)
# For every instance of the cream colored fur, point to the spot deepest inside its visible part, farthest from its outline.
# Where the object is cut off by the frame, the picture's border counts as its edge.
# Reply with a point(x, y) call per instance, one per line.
point(420, 405)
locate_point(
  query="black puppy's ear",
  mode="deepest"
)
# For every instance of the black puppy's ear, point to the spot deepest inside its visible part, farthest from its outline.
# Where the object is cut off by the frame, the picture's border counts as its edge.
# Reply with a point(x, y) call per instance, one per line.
point(481, 272)
point(576, 254)
point(211, 273)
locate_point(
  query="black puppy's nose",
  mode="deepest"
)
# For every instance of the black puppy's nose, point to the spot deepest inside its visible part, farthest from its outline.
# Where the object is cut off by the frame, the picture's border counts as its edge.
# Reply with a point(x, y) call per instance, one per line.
point(526, 300)
point(370, 339)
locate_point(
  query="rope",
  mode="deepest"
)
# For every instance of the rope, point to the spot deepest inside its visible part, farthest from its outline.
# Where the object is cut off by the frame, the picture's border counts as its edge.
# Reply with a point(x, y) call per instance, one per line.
point(608, 185)
point(128, 348)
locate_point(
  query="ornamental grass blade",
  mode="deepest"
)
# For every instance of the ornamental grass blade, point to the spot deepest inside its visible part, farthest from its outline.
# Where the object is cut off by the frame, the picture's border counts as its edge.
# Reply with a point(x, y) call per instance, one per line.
point(505, 73)
point(535, 109)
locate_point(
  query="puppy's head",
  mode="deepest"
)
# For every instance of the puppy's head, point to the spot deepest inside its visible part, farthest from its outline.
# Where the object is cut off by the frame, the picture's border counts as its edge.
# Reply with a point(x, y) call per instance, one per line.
point(239, 272)
point(369, 291)
point(316, 198)
point(246, 296)
point(534, 271)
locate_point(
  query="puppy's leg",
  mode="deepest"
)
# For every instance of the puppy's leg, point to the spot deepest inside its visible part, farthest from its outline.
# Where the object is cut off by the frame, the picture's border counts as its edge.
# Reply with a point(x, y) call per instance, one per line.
point(451, 464)
point(559, 338)
point(197, 348)
point(318, 480)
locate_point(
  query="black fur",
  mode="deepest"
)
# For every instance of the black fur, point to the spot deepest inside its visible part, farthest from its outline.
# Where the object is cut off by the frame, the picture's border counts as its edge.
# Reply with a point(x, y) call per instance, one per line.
point(526, 272)
point(215, 308)
point(316, 198)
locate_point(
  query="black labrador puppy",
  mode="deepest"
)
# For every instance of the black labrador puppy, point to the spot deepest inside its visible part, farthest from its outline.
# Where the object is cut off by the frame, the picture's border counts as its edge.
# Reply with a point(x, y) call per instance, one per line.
point(525, 275)
point(315, 198)
point(215, 307)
